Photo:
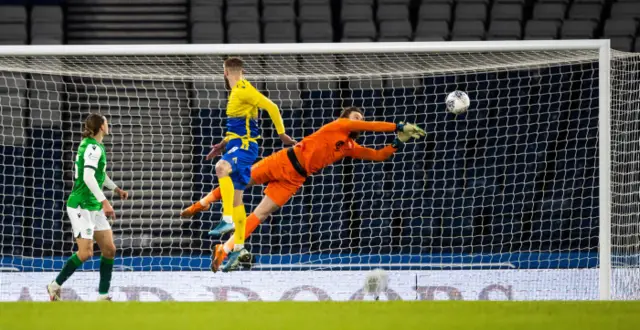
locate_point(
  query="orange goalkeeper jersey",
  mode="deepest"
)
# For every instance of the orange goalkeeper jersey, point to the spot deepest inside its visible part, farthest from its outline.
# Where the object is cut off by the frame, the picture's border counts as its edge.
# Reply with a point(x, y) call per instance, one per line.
point(332, 143)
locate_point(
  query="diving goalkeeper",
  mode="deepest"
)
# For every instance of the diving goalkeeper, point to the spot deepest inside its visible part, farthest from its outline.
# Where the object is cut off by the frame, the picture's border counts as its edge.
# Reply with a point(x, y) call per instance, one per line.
point(285, 171)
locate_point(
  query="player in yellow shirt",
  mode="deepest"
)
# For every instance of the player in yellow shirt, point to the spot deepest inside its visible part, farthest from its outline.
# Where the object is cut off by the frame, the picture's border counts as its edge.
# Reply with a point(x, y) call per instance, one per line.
point(241, 150)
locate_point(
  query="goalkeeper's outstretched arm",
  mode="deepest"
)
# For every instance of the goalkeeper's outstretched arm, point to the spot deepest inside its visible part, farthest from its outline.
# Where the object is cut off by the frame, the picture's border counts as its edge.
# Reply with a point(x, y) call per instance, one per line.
point(377, 155)
point(377, 126)
point(361, 125)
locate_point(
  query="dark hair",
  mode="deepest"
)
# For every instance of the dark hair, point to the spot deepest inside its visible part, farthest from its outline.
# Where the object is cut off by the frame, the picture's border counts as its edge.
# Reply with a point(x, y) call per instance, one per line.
point(347, 111)
point(234, 63)
point(92, 125)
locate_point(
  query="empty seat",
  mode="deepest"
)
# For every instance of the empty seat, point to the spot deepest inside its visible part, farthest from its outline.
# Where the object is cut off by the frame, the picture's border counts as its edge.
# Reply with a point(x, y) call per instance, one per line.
point(473, 1)
point(359, 30)
point(356, 40)
point(278, 2)
point(507, 11)
point(45, 41)
point(466, 38)
point(315, 13)
point(205, 14)
point(504, 30)
point(624, 44)
point(536, 29)
point(218, 3)
point(243, 32)
point(471, 11)
point(13, 14)
point(394, 2)
point(280, 32)
point(510, 1)
point(395, 30)
point(253, 3)
point(47, 30)
point(316, 32)
point(242, 14)
point(578, 29)
point(13, 34)
point(314, 2)
point(435, 11)
point(467, 30)
point(625, 10)
point(358, 2)
point(278, 14)
point(393, 39)
point(431, 29)
point(392, 13)
point(589, 11)
point(620, 27)
point(46, 14)
point(210, 32)
point(428, 38)
point(549, 11)
point(593, 1)
point(356, 13)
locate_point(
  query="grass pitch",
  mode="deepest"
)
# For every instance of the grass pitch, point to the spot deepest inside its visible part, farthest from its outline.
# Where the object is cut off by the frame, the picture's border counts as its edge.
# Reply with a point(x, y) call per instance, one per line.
point(400, 315)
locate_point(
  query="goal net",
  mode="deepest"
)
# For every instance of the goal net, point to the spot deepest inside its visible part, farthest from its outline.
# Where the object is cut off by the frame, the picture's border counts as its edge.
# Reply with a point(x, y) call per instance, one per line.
point(501, 202)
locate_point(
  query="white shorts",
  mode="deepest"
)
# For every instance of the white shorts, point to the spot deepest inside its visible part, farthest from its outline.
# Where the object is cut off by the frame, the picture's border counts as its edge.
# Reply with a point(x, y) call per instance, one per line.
point(85, 222)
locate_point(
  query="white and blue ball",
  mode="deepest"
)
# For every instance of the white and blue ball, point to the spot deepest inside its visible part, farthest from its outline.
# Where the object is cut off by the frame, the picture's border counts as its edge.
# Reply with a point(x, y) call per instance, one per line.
point(458, 102)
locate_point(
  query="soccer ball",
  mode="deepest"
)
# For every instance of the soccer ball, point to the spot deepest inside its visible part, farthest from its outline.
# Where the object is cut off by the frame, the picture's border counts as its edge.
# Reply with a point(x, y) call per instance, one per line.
point(376, 283)
point(457, 102)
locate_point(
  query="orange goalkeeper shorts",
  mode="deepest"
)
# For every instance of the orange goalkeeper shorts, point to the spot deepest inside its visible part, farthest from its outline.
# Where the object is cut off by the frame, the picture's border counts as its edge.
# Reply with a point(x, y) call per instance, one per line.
point(282, 179)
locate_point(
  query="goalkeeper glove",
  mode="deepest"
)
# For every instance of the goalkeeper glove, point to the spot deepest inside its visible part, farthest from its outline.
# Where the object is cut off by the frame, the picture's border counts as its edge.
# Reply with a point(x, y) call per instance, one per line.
point(410, 129)
point(405, 133)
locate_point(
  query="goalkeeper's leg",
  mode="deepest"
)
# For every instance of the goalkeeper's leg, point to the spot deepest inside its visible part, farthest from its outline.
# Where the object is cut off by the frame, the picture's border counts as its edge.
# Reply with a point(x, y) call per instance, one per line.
point(266, 207)
point(203, 204)
point(277, 194)
point(222, 250)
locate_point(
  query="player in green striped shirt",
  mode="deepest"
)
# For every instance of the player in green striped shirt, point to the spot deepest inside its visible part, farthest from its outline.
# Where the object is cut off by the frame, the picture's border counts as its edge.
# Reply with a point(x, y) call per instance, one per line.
point(89, 209)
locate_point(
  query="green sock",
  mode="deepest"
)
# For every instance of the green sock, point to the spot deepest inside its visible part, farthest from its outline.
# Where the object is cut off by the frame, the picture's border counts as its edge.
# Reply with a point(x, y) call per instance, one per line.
point(69, 267)
point(106, 269)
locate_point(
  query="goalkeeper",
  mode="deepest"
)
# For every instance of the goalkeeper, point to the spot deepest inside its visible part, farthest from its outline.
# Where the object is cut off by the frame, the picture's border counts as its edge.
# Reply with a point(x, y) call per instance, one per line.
point(285, 171)
point(234, 169)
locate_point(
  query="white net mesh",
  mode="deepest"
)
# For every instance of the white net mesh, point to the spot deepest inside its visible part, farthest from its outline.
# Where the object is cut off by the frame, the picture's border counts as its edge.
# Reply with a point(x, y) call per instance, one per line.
point(625, 176)
point(502, 201)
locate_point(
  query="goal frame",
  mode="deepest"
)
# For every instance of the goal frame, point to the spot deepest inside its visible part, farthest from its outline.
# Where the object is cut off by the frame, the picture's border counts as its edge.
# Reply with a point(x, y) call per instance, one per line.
point(604, 58)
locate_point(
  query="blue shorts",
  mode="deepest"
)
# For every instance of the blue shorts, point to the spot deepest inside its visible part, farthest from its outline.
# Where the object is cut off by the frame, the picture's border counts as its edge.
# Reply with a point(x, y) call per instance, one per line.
point(241, 161)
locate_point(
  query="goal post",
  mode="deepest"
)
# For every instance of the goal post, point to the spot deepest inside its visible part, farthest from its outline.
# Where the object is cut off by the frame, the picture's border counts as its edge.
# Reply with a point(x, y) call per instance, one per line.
point(505, 192)
point(604, 131)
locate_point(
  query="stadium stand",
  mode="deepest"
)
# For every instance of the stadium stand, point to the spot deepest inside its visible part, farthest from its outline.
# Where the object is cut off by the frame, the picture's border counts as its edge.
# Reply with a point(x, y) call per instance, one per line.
point(504, 30)
point(578, 29)
point(507, 11)
point(13, 25)
point(47, 25)
point(113, 22)
point(536, 29)
point(400, 20)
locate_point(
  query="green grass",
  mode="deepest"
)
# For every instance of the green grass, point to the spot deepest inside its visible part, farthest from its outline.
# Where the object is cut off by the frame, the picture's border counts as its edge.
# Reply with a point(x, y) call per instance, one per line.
point(437, 315)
